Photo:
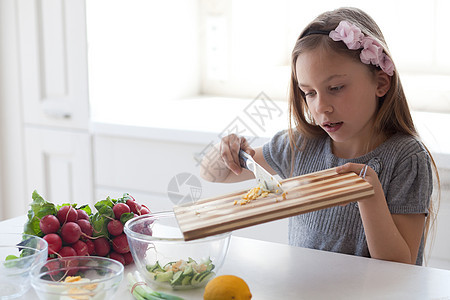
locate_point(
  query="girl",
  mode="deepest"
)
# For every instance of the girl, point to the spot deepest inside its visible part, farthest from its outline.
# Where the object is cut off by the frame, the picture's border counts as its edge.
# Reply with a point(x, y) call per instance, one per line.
point(350, 112)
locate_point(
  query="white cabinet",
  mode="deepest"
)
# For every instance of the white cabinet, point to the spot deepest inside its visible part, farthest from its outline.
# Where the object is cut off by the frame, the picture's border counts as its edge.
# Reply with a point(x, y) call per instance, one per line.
point(59, 165)
point(55, 105)
point(53, 61)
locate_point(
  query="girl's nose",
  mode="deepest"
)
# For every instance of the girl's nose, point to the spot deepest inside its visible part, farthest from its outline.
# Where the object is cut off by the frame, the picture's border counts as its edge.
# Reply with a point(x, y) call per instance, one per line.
point(323, 105)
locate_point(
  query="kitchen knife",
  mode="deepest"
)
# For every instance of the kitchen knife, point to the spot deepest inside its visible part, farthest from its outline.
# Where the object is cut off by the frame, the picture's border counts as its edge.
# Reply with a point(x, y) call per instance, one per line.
point(262, 176)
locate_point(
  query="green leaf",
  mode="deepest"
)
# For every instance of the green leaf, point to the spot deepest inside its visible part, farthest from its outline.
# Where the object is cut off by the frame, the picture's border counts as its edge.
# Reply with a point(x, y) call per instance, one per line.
point(106, 211)
point(127, 196)
point(11, 257)
point(26, 246)
point(124, 198)
point(125, 217)
point(99, 223)
point(102, 203)
point(86, 208)
point(28, 229)
point(37, 201)
point(36, 197)
point(58, 207)
point(46, 208)
point(39, 209)
point(34, 223)
point(10, 261)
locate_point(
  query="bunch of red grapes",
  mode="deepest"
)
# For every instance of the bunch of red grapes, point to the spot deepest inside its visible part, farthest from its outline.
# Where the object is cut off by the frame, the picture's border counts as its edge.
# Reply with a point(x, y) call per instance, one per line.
point(70, 233)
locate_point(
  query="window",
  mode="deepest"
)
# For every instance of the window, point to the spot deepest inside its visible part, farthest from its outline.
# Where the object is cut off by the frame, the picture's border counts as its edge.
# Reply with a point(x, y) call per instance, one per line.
point(141, 52)
point(144, 52)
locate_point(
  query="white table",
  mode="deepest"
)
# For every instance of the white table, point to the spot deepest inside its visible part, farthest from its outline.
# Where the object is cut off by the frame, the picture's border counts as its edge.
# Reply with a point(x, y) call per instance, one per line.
point(277, 271)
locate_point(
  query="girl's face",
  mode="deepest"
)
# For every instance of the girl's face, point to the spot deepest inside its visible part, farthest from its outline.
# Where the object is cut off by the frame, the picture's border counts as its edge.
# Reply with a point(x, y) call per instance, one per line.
point(341, 95)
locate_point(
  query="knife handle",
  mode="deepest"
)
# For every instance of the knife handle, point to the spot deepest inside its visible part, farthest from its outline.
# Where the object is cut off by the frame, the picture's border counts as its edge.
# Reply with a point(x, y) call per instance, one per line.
point(243, 156)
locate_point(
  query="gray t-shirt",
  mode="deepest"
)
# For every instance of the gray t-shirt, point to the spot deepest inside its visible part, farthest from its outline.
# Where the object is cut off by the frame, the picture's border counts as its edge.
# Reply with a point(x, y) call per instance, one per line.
point(404, 170)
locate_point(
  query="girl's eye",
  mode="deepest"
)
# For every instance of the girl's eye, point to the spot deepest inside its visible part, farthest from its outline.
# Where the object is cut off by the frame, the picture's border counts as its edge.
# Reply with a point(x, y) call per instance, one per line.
point(310, 94)
point(336, 88)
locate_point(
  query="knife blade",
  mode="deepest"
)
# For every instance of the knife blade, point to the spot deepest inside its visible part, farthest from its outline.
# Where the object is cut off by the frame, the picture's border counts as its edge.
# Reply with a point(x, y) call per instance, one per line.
point(262, 176)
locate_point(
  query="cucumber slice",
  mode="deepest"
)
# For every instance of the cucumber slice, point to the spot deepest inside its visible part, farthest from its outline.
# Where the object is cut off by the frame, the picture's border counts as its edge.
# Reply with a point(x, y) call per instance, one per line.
point(188, 270)
point(155, 268)
point(169, 264)
point(177, 278)
point(195, 279)
point(186, 280)
point(164, 276)
point(205, 278)
point(191, 261)
point(210, 267)
point(188, 275)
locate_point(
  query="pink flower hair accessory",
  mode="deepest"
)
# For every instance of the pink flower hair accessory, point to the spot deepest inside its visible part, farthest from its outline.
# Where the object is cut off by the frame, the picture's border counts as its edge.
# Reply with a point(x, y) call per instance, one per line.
point(371, 53)
point(349, 34)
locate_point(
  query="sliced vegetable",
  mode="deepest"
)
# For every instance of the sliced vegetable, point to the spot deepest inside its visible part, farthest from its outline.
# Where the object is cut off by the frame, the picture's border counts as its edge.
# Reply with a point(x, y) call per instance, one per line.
point(141, 291)
point(163, 276)
point(177, 278)
point(182, 273)
point(155, 268)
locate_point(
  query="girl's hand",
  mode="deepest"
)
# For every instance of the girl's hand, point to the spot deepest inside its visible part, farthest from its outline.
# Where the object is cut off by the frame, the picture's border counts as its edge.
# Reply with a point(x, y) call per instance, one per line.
point(229, 151)
point(393, 237)
point(370, 175)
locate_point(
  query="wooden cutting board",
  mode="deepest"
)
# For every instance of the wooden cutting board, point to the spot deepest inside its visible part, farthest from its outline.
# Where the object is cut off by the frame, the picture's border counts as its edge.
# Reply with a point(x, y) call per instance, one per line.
point(304, 193)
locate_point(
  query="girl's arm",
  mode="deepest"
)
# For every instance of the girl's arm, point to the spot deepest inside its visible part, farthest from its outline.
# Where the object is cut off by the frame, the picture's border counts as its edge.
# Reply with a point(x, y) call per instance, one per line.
point(221, 164)
point(392, 237)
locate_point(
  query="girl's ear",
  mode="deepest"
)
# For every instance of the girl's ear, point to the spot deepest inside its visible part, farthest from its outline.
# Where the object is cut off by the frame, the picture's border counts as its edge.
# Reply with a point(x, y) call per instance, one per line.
point(383, 83)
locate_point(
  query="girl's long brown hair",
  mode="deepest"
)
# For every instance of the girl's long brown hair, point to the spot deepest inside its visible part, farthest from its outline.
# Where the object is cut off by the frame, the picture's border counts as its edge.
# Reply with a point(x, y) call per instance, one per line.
point(393, 114)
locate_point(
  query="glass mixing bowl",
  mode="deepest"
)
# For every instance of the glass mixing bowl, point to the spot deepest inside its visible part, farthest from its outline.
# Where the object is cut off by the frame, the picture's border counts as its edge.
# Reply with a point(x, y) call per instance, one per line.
point(163, 257)
point(18, 254)
point(77, 277)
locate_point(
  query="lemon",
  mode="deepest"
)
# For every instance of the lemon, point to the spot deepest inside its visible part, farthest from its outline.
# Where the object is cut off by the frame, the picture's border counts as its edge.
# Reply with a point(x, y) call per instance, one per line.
point(227, 287)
